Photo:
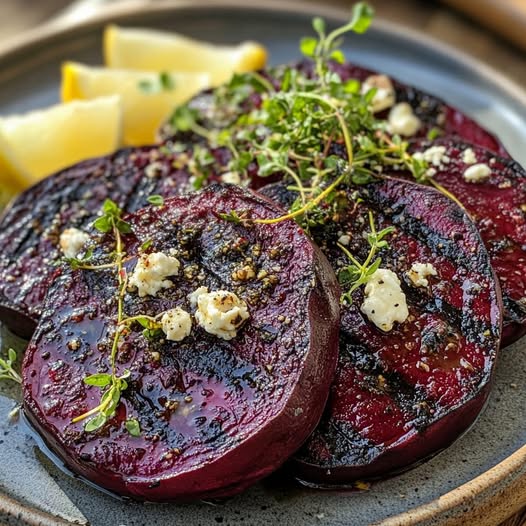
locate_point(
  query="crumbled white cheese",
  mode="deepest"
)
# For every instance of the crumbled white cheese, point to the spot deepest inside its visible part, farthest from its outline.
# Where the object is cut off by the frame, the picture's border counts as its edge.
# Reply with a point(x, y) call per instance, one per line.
point(153, 169)
point(384, 301)
point(151, 271)
point(231, 177)
point(219, 312)
point(468, 156)
point(477, 173)
point(344, 239)
point(72, 240)
point(192, 297)
point(176, 324)
point(385, 95)
point(402, 120)
point(419, 272)
point(435, 155)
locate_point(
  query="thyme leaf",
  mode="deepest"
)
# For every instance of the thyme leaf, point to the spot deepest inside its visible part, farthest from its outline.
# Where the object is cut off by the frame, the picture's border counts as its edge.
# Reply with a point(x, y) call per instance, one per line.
point(7, 371)
point(356, 274)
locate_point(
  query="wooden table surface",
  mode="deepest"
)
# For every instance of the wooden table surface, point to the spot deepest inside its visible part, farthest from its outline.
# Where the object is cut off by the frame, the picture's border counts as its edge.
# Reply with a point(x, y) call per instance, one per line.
point(430, 17)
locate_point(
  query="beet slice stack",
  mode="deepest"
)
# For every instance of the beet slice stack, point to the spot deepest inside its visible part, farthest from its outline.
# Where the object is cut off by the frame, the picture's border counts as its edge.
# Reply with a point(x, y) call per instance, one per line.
point(215, 415)
point(403, 395)
point(31, 226)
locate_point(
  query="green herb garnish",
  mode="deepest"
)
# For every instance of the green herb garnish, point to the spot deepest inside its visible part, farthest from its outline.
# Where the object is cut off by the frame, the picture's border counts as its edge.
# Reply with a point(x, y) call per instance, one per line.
point(156, 200)
point(356, 274)
point(113, 384)
point(7, 372)
point(133, 427)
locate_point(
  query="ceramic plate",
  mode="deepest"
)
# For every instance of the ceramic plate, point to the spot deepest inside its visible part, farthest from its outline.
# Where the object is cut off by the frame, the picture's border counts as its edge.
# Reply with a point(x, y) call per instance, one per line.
point(479, 480)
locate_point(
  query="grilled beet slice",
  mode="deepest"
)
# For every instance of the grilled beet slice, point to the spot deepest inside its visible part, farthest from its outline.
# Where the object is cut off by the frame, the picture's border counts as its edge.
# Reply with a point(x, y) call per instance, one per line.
point(31, 226)
point(215, 415)
point(432, 111)
point(403, 395)
point(497, 205)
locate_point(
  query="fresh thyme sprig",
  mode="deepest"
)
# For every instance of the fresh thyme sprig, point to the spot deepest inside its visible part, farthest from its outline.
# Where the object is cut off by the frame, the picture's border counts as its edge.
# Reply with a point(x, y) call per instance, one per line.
point(112, 384)
point(7, 372)
point(356, 274)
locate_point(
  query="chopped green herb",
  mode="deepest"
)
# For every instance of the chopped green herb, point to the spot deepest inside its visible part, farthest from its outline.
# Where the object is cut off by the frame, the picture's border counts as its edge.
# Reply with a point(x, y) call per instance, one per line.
point(7, 371)
point(133, 427)
point(156, 200)
point(146, 245)
point(164, 82)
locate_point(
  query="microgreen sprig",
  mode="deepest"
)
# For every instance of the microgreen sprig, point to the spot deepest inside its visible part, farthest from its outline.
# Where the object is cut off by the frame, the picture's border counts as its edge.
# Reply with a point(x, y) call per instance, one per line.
point(112, 384)
point(356, 274)
point(327, 46)
point(7, 372)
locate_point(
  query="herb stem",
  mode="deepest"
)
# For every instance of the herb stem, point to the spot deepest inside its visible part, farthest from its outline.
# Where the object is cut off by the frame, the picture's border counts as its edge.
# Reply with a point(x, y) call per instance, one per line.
point(343, 125)
point(96, 409)
point(306, 207)
point(266, 84)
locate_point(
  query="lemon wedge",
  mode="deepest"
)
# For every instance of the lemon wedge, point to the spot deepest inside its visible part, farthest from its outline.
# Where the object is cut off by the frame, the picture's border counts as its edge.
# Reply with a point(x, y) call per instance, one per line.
point(44, 141)
point(147, 97)
point(151, 50)
point(13, 176)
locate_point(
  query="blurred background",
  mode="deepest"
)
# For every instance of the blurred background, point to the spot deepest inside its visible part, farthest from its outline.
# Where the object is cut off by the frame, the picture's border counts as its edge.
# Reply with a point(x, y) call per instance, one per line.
point(491, 30)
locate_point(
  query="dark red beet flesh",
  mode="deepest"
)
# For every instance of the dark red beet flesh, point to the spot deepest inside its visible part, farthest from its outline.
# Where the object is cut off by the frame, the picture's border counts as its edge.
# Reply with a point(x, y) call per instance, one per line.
point(401, 396)
point(31, 226)
point(498, 208)
point(215, 415)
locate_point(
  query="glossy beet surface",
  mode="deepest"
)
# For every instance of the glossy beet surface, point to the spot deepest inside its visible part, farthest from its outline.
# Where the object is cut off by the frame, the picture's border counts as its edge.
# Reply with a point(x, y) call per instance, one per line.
point(497, 205)
point(401, 396)
point(31, 226)
point(215, 415)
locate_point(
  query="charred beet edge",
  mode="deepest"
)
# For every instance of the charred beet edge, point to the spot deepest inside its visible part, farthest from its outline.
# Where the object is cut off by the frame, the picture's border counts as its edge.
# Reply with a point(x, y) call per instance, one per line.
point(31, 226)
point(403, 395)
point(432, 111)
point(215, 415)
point(497, 205)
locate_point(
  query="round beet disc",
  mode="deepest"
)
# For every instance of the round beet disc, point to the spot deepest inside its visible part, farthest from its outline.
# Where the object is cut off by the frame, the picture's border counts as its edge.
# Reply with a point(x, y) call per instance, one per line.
point(402, 395)
point(211, 415)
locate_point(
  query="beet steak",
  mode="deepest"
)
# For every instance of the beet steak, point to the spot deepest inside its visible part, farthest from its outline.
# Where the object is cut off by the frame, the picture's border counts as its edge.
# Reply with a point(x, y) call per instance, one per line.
point(403, 395)
point(215, 415)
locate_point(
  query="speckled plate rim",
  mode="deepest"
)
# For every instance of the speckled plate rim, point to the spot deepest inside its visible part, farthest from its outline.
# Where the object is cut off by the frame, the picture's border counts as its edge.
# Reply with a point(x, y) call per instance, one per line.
point(485, 500)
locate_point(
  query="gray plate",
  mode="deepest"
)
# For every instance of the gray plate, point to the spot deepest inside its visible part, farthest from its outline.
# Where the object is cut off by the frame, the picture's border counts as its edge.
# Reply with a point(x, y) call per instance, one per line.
point(29, 78)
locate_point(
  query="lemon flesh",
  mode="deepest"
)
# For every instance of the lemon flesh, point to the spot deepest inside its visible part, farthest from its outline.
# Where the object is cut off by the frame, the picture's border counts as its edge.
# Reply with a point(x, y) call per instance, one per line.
point(147, 98)
point(13, 176)
point(47, 140)
point(151, 50)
